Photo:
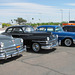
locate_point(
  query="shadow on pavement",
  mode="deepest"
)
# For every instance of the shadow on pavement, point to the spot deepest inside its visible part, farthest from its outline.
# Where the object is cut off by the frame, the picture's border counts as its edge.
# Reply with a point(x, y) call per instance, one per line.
point(30, 51)
point(42, 51)
point(66, 46)
point(9, 59)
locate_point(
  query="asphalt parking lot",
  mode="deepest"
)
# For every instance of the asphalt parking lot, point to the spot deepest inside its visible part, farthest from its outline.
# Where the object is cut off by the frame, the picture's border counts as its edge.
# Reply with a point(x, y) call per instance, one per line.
point(58, 61)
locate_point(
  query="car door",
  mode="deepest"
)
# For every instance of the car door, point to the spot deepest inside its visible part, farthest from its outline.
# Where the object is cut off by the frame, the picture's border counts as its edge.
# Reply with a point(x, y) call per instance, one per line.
point(55, 31)
point(17, 32)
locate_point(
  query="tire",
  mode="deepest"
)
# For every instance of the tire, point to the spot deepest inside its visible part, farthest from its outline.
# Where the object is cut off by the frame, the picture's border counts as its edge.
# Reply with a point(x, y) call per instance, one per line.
point(68, 42)
point(36, 47)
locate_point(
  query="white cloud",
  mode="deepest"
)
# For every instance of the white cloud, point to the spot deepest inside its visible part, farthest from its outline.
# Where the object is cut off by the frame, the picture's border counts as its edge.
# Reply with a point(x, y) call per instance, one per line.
point(27, 6)
point(26, 9)
point(70, 4)
point(29, 10)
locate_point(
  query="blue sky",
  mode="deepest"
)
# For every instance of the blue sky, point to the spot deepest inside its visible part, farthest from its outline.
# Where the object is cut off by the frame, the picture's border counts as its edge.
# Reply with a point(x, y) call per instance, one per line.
point(45, 10)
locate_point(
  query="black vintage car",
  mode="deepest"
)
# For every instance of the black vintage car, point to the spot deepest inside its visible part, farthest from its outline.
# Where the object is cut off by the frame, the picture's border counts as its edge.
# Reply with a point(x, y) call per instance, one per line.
point(33, 39)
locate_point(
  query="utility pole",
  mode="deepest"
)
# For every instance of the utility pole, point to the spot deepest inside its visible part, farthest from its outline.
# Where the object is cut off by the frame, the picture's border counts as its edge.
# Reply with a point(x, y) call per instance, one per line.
point(69, 14)
point(61, 15)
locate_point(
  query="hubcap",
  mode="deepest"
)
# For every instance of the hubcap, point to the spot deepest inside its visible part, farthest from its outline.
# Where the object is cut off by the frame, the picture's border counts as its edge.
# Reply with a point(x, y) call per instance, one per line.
point(68, 42)
point(36, 47)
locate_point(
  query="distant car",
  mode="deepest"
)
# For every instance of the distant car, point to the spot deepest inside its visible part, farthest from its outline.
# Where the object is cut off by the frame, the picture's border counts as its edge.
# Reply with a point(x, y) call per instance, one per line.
point(33, 39)
point(66, 38)
point(10, 47)
point(69, 28)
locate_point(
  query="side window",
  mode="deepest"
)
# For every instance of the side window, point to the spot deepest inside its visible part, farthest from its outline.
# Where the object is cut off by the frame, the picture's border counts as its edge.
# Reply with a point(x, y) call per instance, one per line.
point(58, 29)
point(17, 30)
point(65, 28)
point(28, 29)
point(50, 29)
point(42, 29)
point(73, 29)
point(9, 30)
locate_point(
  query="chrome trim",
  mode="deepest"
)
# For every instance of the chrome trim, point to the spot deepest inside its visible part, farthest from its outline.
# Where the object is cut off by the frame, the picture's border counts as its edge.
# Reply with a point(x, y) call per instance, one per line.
point(49, 46)
point(65, 36)
point(59, 42)
point(11, 52)
point(38, 41)
point(47, 41)
point(73, 41)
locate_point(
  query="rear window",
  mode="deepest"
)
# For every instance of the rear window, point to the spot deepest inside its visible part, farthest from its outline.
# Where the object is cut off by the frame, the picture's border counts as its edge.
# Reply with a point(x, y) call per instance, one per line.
point(9, 30)
point(71, 21)
point(69, 28)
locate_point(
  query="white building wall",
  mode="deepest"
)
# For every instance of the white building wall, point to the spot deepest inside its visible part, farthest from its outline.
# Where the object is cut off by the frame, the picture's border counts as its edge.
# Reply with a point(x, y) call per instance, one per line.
point(0, 25)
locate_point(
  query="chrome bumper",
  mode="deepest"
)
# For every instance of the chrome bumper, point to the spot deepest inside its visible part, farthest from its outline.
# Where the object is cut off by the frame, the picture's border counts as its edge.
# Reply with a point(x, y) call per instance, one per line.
point(49, 46)
point(5, 55)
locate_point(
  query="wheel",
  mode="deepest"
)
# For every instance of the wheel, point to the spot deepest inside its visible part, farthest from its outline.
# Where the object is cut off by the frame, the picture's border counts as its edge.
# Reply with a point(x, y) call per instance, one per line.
point(36, 47)
point(68, 42)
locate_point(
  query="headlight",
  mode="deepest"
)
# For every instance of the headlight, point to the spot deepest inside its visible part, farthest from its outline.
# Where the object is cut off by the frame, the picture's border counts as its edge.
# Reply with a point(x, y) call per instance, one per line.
point(22, 40)
point(47, 38)
point(1, 44)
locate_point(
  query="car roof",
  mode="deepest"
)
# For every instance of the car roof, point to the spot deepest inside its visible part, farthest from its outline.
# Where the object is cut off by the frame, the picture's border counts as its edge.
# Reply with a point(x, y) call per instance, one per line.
point(54, 26)
point(69, 26)
point(20, 26)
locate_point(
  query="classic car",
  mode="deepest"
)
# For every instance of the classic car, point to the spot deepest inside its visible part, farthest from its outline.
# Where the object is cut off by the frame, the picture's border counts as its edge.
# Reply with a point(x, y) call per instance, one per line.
point(64, 38)
point(10, 47)
point(69, 28)
point(32, 39)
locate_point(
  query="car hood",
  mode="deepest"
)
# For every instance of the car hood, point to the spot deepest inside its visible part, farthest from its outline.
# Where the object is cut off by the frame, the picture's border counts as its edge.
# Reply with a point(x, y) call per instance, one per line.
point(5, 37)
point(41, 33)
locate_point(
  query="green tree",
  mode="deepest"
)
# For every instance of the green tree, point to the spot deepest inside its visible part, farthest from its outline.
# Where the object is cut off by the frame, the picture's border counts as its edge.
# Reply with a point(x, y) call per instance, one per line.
point(32, 18)
point(20, 21)
point(5, 25)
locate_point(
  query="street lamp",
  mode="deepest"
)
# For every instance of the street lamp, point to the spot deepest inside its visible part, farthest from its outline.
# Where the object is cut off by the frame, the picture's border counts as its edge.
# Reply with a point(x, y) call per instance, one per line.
point(61, 15)
point(69, 14)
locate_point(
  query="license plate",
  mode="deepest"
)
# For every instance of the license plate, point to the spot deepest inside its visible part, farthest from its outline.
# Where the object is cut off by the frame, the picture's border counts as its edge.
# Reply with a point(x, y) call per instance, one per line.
point(17, 47)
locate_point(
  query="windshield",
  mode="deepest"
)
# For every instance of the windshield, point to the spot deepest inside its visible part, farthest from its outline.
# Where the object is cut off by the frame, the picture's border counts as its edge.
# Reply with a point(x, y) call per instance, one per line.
point(58, 29)
point(28, 29)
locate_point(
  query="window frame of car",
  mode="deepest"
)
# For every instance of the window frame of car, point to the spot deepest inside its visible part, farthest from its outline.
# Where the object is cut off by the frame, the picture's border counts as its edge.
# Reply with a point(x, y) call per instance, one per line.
point(52, 28)
point(38, 29)
point(24, 29)
point(60, 28)
point(8, 29)
point(13, 29)
point(69, 28)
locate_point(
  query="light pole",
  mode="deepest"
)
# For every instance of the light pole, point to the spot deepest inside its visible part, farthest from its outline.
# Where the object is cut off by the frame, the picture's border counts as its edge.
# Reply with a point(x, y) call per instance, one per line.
point(61, 15)
point(69, 14)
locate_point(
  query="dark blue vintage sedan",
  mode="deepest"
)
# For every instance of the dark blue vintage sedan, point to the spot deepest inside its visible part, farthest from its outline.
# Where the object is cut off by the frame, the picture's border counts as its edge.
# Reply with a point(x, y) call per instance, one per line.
point(66, 38)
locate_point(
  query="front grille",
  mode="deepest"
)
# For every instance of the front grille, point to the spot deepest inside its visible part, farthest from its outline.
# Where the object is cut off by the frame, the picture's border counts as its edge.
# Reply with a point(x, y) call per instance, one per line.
point(53, 42)
point(11, 50)
point(52, 37)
